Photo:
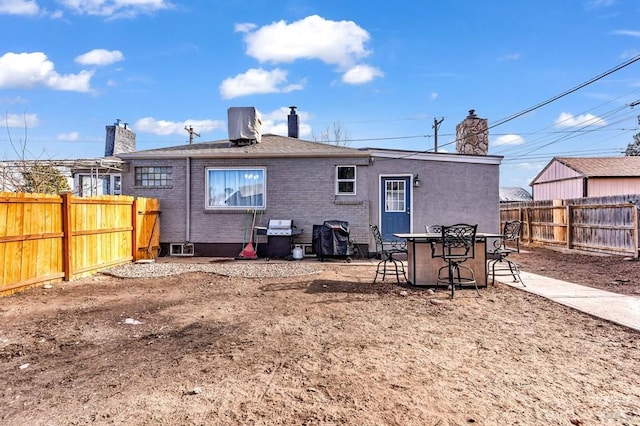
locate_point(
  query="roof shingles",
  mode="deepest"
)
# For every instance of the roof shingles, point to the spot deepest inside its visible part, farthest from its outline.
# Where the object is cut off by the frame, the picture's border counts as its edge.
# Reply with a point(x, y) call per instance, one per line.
point(603, 166)
point(270, 146)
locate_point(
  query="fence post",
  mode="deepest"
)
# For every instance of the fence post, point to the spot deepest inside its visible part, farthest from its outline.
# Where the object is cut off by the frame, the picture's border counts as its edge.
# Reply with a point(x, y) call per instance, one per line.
point(134, 229)
point(636, 238)
point(569, 221)
point(67, 235)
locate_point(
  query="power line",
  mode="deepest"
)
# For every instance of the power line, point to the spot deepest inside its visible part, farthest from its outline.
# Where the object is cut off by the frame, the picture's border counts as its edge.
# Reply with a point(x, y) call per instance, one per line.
point(567, 92)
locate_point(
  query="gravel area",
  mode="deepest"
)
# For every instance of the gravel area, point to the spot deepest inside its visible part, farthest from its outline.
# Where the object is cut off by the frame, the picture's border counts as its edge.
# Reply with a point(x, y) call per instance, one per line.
point(229, 269)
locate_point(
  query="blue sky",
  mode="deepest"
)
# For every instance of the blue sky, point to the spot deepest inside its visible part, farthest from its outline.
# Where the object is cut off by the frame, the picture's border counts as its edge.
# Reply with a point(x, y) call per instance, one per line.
point(381, 70)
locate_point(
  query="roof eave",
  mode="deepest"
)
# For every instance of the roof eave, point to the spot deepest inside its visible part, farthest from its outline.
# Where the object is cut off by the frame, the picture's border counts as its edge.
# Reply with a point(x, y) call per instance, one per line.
point(167, 156)
point(435, 156)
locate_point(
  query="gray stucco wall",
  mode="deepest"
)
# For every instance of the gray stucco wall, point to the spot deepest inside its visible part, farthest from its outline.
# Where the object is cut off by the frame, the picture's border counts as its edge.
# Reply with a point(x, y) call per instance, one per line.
point(450, 192)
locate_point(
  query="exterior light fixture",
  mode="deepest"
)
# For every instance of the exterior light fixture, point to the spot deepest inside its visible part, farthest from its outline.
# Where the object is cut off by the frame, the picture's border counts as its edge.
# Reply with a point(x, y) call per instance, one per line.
point(416, 182)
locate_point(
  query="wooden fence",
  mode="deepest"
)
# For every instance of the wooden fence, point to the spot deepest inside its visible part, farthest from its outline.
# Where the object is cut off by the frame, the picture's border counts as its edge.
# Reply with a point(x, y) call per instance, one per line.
point(48, 238)
point(604, 225)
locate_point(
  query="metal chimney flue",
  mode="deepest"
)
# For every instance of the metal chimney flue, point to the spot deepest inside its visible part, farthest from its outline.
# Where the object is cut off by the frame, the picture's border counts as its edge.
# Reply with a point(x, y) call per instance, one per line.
point(293, 123)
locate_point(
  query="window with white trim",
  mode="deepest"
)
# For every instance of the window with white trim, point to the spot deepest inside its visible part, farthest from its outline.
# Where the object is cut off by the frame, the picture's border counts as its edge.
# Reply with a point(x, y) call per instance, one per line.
point(235, 188)
point(345, 180)
point(90, 184)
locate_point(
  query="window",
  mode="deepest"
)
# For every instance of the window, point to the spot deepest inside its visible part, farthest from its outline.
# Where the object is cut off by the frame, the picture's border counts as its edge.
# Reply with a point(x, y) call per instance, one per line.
point(117, 184)
point(233, 188)
point(395, 196)
point(88, 185)
point(346, 180)
point(154, 177)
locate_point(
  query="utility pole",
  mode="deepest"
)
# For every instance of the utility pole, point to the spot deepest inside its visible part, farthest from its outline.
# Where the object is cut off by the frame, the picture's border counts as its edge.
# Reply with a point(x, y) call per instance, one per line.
point(436, 125)
point(191, 133)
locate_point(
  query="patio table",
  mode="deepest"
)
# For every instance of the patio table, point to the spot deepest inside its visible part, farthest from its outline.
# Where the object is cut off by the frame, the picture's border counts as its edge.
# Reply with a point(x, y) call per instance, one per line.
point(422, 268)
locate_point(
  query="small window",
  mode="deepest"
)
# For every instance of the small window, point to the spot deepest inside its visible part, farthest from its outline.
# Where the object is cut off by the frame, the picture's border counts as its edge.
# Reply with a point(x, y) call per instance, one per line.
point(117, 184)
point(235, 188)
point(153, 177)
point(346, 180)
point(179, 249)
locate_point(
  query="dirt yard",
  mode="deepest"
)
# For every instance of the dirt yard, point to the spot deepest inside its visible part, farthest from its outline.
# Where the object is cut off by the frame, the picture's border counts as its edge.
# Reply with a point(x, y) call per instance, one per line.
point(612, 273)
point(322, 348)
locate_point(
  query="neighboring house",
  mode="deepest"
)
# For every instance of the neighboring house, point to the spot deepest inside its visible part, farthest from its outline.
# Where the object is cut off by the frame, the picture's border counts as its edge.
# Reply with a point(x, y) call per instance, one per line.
point(86, 177)
point(514, 194)
point(209, 190)
point(573, 177)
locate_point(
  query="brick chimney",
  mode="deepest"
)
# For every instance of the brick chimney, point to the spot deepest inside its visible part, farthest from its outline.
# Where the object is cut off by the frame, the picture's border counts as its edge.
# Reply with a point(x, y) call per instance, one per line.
point(472, 135)
point(119, 140)
point(293, 123)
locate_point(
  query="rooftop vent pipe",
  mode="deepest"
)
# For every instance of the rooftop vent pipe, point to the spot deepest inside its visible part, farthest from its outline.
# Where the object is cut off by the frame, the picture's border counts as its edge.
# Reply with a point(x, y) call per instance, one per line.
point(292, 119)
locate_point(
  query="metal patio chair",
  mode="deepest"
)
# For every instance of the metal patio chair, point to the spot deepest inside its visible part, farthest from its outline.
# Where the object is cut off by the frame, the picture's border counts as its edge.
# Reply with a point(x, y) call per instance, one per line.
point(386, 252)
point(508, 243)
point(455, 246)
point(433, 229)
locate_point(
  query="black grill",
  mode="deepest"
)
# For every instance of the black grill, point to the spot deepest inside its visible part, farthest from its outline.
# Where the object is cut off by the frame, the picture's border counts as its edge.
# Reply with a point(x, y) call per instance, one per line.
point(280, 234)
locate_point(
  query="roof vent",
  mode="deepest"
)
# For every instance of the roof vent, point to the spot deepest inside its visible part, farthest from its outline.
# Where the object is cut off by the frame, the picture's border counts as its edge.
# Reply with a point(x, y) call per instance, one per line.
point(292, 122)
point(245, 125)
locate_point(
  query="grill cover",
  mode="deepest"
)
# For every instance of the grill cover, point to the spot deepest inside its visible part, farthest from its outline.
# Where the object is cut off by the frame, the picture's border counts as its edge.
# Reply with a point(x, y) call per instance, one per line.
point(331, 238)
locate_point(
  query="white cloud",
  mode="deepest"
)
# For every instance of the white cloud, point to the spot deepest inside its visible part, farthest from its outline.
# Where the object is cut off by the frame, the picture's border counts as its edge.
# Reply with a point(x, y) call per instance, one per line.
point(71, 82)
point(433, 96)
point(531, 166)
point(19, 7)
point(631, 33)
point(596, 4)
point(20, 120)
point(361, 74)
point(569, 120)
point(508, 140)
point(333, 42)
point(244, 27)
point(100, 57)
point(71, 136)
point(257, 80)
point(116, 8)
point(277, 122)
point(628, 54)
point(28, 70)
point(164, 127)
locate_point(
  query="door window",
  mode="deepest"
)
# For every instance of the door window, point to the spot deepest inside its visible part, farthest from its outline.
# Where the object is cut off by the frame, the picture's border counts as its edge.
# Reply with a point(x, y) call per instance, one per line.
point(395, 196)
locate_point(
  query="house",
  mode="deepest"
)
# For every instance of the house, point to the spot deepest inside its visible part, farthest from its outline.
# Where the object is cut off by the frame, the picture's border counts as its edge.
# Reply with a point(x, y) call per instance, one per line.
point(579, 177)
point(86, 177)
point(209, 190)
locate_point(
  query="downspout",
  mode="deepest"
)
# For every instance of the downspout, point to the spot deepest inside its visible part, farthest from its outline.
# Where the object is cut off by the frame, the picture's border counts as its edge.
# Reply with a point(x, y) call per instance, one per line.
point(187, 191)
